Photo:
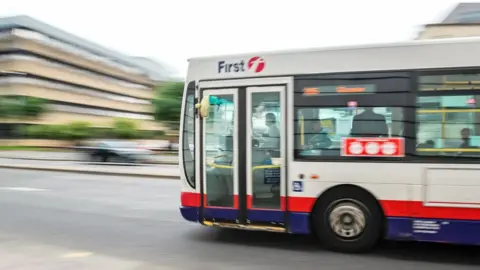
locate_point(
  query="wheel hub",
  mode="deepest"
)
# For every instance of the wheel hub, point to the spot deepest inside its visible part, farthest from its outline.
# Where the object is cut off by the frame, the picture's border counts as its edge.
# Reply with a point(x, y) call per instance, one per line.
point(347, 220)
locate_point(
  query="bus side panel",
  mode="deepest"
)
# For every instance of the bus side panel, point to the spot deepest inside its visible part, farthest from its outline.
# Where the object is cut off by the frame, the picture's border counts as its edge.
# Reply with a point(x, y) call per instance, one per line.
point(400, 190)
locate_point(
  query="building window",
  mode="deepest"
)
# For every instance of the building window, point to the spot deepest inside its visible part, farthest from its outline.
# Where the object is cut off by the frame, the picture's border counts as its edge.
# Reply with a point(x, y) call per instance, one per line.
point(469, 17)
point(99, 112)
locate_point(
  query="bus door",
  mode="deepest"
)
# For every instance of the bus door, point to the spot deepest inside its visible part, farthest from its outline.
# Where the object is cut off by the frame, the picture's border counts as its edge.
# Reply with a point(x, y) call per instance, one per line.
point(243, 164)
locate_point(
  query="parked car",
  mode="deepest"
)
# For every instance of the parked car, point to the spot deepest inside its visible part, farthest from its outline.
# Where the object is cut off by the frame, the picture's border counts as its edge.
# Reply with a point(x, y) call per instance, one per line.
point(117, 151)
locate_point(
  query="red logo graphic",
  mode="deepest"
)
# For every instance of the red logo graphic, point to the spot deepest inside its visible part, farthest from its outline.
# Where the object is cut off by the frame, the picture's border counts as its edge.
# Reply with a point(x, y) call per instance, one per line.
point(256, 63)
point(373, 147)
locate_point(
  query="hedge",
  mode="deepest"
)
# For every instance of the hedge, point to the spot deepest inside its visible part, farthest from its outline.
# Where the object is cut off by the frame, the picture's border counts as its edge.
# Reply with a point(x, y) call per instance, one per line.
point(122, 129)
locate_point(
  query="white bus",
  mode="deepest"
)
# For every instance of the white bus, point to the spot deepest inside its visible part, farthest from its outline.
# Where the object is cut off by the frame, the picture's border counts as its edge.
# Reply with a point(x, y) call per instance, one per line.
point(349, 144)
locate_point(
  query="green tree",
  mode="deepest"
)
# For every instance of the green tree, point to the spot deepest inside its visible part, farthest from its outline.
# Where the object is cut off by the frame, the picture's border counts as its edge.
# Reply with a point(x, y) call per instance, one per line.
point(168, 103)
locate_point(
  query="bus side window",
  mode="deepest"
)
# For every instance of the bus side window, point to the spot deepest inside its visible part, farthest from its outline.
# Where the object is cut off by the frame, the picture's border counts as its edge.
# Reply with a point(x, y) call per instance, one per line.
point(450, 124)
point(320, 130)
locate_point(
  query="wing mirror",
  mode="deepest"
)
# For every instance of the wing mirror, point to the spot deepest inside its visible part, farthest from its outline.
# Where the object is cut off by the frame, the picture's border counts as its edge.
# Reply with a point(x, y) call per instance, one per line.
point(203, 106)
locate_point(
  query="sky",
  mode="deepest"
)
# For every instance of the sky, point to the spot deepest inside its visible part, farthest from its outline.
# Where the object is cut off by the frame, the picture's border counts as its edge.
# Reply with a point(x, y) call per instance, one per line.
point(171, 31)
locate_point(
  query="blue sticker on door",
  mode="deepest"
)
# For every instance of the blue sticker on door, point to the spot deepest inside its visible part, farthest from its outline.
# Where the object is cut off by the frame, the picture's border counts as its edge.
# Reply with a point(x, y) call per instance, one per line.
point(297, 186)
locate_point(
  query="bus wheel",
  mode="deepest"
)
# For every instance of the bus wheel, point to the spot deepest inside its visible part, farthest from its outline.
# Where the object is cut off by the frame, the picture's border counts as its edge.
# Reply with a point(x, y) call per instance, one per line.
point(348, 220)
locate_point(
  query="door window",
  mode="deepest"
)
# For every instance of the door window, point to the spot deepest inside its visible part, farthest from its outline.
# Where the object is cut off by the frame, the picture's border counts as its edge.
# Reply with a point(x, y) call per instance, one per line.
point(219, 133)
point(266, 135)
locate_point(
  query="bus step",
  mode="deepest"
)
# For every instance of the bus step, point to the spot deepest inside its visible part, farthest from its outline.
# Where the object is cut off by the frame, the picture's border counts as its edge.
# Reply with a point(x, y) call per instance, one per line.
point(244, 227)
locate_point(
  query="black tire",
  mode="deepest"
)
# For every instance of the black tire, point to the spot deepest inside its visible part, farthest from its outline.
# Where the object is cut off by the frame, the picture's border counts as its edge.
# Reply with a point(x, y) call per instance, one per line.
point(374, 220)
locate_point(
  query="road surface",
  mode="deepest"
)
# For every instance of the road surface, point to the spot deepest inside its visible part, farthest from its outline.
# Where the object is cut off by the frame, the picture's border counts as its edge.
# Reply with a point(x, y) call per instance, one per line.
point(155, 169)
point(72, 221)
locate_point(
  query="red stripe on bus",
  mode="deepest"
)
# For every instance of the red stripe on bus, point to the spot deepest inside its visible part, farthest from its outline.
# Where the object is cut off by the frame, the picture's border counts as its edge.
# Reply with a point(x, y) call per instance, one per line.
point(418, 210)
point(414, 209)
point(300, 204)
point(190, 199)
point(250, 204)
point(391, 208)
point(235, 203)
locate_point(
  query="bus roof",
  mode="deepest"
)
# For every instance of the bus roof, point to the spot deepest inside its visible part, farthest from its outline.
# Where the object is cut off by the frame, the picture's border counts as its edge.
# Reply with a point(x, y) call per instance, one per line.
point(415, 54)
point(346, 47)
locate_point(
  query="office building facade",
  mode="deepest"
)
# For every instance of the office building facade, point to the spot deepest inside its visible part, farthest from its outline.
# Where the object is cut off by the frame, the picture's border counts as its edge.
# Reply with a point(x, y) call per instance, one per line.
point(80, 80)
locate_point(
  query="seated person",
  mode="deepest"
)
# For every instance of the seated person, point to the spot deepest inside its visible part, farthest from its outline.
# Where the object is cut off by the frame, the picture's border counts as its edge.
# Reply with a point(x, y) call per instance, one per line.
point(466, 141)
point(318, 138)
point(369, 124)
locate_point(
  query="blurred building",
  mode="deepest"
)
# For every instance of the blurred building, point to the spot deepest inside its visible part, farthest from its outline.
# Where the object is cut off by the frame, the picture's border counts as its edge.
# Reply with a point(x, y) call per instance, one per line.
point(158, 72)
point(81, 80)
point(462, 21)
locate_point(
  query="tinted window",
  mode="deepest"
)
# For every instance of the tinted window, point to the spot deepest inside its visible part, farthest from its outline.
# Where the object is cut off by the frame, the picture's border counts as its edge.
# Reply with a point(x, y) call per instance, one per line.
point(348, 84)
point(450, 81)
point(188, 136)
point(329, 108)
point(448, 125)
point(319, 131)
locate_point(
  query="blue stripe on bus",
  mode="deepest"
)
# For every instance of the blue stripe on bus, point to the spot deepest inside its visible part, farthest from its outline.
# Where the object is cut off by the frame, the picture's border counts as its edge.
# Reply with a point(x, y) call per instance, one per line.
point(466, 232)
point(427, 230)
point(220, 213)
point(189, 213)
point(266, 216)
point(299, 223)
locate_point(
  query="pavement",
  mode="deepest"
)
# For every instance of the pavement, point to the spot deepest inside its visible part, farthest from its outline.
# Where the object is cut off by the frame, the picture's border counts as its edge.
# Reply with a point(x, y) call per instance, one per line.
point(70, 221)
point(157, 170)
point(74, 156)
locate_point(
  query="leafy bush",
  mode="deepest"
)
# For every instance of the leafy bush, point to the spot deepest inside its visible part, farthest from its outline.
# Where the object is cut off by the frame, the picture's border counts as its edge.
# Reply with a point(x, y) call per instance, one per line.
point(79, 130)
point(33, 107)
point(19, 107)
point(124, 128)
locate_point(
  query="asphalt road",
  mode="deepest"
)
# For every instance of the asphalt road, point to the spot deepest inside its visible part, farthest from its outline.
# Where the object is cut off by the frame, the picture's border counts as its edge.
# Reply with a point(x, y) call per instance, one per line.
point(156, 169)
point(71, 221)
